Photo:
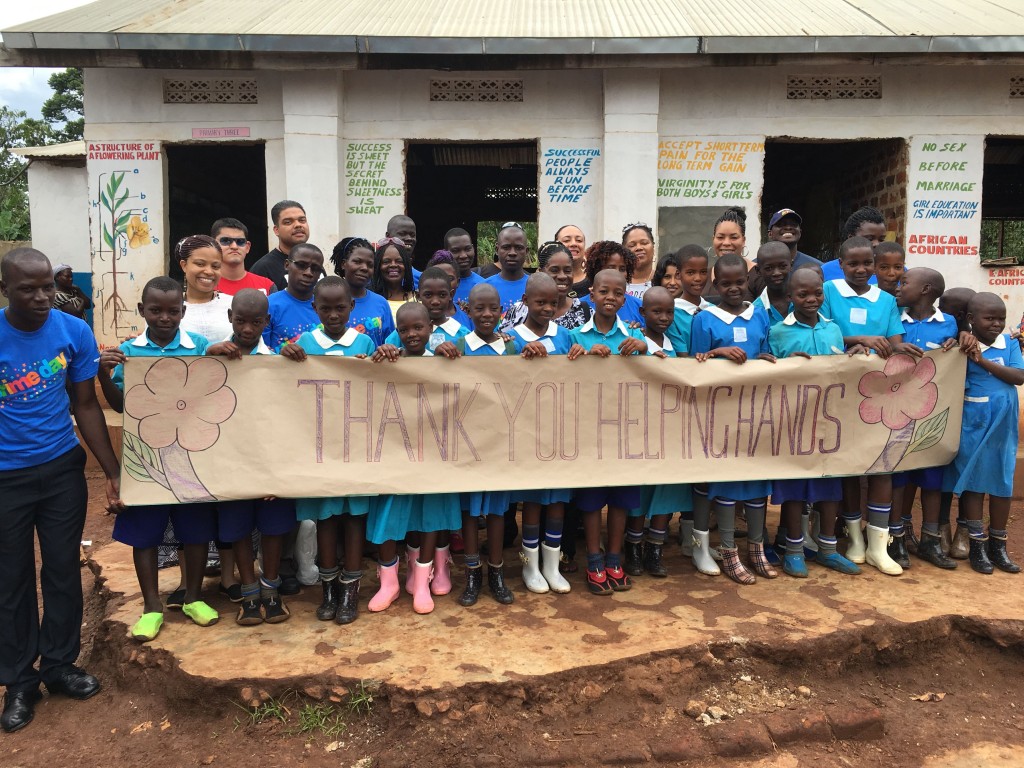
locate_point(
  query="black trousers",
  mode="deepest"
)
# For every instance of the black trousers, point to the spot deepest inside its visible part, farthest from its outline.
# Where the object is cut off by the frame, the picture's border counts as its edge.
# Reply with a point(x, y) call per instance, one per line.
point(49, 499)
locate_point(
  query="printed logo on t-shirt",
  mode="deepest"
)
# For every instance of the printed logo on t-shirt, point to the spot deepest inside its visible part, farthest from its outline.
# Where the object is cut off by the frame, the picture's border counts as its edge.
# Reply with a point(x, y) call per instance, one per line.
point(30, 380)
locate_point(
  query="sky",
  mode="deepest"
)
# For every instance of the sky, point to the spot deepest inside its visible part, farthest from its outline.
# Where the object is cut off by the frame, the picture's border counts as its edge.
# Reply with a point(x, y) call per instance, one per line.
point(25, 88)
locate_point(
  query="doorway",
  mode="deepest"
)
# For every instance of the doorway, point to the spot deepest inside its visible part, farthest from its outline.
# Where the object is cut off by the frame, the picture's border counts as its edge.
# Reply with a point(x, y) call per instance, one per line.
point(206, 182)
point(463, 184)
point(827, 181)
point(1002, 203)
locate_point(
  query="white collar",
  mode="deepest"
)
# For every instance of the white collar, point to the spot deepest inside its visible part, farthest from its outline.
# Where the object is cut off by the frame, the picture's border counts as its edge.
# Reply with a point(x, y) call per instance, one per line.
point(999, 343)
point(450, 326)
point(261, 347)
point(589, 326)
point(937, 317)
point(728, 317)
point(528, 335)
point(692, 309)
point(847, 292)
point(653, 346)
point(765, 301)
point(183, 339)
point(791, 319)
point(327, 342)
point(474, 342)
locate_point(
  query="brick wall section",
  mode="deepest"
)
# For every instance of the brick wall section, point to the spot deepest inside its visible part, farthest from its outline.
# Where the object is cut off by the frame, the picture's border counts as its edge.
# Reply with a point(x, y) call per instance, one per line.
point(880, 180)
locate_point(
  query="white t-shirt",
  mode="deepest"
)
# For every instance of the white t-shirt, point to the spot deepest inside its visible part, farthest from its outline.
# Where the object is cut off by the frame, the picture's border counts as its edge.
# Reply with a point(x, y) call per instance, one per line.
point(209, 319)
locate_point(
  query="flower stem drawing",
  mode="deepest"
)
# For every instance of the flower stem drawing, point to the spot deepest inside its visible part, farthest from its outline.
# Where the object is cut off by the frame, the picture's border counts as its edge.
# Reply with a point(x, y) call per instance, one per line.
point(900, 396)
point(179, 408)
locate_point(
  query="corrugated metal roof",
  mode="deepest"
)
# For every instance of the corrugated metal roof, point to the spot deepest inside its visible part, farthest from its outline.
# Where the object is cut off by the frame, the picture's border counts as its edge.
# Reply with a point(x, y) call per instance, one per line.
point(53, 151)
point(543, 26)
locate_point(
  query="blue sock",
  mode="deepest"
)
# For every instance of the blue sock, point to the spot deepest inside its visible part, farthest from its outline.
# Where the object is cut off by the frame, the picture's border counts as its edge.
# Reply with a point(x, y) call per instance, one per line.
point(878, 515)
point(976, 529)
point(826, 545)
point(473, 561)
point(795, 546)
point(896, 529)
point(250, 591)
point(932, 528)
point(347, 577)
point(996, 533)
point(656, 535)
point(531, 536)
point(612, 561)
point(553, 532)
point(329, 574)
point(634, 537)
point(595, 562)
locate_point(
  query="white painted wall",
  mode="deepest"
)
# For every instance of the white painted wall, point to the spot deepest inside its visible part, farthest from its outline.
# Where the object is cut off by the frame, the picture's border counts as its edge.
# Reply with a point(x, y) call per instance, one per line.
point(64, 188)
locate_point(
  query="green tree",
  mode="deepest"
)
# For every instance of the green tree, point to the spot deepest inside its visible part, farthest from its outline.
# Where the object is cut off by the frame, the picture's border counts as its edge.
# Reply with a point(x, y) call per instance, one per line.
point(17, 130)
point(64, 111)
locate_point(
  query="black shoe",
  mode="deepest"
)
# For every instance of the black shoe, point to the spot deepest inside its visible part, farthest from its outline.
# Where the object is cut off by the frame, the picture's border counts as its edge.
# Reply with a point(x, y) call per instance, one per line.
point(652, 560)
point(289, 586)
point(632, 558)
point(897, 550)
point(232, 593)
point(73, 682)
point(998, 555)
point(175, 600)
point(496, 583)
point(329, 607)
point(348, 605)
point(274, 610)
point(474, 581)
point(19, 709)
point(912, 541)
point(249, 613)
point(979, 556)
point(929, 548)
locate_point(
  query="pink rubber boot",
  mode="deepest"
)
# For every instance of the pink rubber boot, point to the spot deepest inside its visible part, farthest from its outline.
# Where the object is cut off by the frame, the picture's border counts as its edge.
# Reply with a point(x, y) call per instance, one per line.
point(442, 581)
point(410, 563)
point(389, 591)
point(422, 602)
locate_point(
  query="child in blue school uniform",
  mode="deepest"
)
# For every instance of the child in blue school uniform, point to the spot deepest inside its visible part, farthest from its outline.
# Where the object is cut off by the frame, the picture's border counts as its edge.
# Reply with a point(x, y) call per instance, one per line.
point(685, 275)
point(446, 263)
point(607, 254)
point(333, 303)
point(142, 528)
point(273, 518)
point(539, 336)
point(774, 262)
point(643, 551)
point(867, 316)
point(988, 437)
point(735, 330)
point(806, 333)
point(290, 312)
point(371, 315)
point(924, 328)
point(605, 334)
point(435, 294)
point(485, 313)
point(425, 517)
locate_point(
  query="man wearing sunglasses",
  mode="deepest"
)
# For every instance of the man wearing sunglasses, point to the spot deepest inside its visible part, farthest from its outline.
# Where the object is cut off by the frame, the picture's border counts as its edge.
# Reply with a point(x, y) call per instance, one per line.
point(233, 237)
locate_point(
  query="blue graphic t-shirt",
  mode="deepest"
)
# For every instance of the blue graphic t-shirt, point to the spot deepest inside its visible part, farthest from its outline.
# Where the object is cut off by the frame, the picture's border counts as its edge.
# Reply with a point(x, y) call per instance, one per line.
point(372, 316)
point(35, 423)
point(287, 319)
point(509, 291)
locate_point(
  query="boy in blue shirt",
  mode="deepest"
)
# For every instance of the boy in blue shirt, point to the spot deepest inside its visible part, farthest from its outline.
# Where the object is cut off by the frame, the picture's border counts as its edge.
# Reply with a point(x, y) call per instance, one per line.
point(274, 518)
point(291, 311)
point(867, 316)
point(806, 333)
point(459, 244)
point(511, 250)
point(774, 262)
point(924, 328)
point(142, 528)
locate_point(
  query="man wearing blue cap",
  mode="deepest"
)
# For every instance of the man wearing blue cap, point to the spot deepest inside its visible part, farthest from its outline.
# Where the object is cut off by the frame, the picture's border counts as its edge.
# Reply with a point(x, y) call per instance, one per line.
point(784, 226)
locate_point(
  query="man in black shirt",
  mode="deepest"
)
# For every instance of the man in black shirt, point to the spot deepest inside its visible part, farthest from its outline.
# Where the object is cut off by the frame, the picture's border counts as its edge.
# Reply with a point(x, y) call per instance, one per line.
point(291, 228)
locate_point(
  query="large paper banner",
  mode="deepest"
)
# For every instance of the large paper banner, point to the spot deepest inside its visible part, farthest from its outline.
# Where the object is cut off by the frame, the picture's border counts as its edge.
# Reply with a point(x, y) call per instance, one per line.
point(199, 429)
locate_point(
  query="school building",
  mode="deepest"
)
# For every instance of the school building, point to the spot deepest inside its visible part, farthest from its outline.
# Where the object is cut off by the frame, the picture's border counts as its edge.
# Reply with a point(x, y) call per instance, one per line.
point(592, 112)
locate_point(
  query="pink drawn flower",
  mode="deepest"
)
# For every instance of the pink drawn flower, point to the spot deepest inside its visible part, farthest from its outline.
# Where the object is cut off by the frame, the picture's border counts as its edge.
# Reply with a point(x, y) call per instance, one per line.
point(900, 393)
point(181, 403)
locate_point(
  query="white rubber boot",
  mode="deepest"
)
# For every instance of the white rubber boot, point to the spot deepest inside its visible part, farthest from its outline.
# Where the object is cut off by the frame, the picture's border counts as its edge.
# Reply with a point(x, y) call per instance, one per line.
point(878, 554)
point(809, 530)
point(305, 554)
point(531, 570)
point(702, 559)
point(855, 551)
point(549, 557)
point(686, 537)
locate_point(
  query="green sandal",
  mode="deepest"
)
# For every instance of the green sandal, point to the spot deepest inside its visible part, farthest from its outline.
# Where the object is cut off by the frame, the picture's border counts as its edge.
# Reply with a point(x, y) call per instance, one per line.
point(200, 613)
point(148, 627)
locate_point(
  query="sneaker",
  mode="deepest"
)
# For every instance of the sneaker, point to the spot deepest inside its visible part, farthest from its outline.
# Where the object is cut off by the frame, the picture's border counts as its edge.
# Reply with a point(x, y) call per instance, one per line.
point(200, 613)
point(618, 579)
point(175, 600)
point(771, 555)
point(232, 593)
point(837, 562)
point(274, 610)
point(249, 613)
point(597, 582)
point(794, 565)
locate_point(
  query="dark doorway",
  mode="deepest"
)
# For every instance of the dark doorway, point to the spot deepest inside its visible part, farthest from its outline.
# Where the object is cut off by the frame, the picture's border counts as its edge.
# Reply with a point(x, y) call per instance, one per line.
point(460, 184)
point(206, 182)
point(827, 181)
point(1002, 203)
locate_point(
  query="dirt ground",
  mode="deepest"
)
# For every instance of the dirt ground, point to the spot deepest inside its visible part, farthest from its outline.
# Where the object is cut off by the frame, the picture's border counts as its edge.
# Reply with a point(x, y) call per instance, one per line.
point(638, 711)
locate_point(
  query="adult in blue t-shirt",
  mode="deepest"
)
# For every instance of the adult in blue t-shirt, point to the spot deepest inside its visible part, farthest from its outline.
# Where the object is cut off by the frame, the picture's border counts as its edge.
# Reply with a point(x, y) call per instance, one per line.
point(42, 485)
point(510, 282)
